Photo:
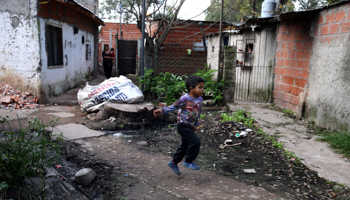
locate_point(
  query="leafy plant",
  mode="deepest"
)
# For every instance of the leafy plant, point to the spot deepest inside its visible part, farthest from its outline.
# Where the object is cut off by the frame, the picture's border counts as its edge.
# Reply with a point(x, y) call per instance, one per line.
point(26, 153)
point(211, 88)
point(202, 116)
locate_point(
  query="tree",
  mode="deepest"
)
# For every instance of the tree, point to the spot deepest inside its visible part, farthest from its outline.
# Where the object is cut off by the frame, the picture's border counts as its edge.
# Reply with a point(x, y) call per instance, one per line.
point(234, 10)
point(166, 18)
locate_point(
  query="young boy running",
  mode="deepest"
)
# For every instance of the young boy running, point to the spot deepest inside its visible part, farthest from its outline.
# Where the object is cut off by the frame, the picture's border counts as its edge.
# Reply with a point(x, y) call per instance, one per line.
point(189, 108)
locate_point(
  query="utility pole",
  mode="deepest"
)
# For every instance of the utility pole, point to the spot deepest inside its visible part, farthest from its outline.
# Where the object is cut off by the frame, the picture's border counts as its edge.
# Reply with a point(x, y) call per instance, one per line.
point(143, 40)
point(220, 42)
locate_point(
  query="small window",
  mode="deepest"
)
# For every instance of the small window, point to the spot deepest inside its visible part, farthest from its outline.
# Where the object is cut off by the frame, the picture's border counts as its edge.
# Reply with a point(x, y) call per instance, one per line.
point(54, 45)
point(88, 52)
point(82, 39)
point(212, 49)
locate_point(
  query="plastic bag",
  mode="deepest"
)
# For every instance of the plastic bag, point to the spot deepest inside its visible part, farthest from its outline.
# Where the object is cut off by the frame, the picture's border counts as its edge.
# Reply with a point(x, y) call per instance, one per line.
point(117, 89)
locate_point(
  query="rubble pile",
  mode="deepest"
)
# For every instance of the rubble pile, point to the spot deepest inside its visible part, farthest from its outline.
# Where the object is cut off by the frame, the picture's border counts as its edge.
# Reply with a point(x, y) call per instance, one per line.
point(11, 98)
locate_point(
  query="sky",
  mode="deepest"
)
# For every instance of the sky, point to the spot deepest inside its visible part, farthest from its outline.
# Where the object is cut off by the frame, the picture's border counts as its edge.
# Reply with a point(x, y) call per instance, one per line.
point(190, 8)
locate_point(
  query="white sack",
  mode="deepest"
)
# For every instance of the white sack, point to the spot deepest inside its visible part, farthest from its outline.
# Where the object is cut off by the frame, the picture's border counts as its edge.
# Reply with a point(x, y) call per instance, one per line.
point(117, 89)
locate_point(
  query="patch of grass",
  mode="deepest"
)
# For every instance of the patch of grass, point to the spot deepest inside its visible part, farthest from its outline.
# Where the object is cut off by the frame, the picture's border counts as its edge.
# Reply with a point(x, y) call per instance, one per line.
point(239, 116)
point(26, 153)
point(202, 116)
point(339, 141)
point(277, 144)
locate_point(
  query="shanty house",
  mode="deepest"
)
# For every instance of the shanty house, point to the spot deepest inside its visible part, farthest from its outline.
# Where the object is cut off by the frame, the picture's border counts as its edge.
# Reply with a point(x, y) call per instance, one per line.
point(47, 47)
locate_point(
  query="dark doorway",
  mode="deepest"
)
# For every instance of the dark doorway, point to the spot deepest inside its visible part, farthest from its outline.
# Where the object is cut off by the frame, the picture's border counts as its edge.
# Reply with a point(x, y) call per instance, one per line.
point(127, 50)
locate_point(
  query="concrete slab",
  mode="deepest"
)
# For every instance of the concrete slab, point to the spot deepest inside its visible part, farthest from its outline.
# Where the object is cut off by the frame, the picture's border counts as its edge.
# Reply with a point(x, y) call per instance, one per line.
point(12, 113)
point(58, 108)
point(75, 131)
point(318, 156)
point(134, 108)
point(62, 114)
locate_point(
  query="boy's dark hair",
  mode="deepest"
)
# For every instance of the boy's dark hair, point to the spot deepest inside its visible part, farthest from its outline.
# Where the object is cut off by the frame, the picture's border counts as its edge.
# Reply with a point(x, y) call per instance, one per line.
point(193, 81)
point(112, 49)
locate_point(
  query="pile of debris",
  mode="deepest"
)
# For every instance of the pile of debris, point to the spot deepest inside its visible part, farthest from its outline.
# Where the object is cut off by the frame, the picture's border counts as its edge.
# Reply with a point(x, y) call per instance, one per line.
point(11, 98)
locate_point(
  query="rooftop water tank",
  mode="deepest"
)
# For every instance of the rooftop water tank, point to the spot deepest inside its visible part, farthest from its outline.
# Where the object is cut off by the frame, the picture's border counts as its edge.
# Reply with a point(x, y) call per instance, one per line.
point(268, 8)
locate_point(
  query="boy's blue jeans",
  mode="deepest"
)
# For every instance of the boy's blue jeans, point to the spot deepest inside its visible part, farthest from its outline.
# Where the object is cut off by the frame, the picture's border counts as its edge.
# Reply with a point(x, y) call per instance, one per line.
point(190, 145)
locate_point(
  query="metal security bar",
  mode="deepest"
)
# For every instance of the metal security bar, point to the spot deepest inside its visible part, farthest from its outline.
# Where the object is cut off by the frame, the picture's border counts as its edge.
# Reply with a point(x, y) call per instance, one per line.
point(254, 83)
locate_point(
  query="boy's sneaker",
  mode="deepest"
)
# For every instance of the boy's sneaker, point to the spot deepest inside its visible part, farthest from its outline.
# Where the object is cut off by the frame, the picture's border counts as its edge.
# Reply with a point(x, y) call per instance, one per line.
point(191, 165)
point(174, 167)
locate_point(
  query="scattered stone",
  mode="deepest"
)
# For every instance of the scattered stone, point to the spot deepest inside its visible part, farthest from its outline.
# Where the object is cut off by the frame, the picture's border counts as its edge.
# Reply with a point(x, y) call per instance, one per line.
point(85, 176)
point(249, 171)
point(228, 141)
point(143, 143)
point(91, 116)
point(129, 141)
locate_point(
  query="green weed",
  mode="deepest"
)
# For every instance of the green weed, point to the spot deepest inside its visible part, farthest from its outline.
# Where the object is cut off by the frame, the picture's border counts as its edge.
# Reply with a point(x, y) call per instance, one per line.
point(338, 141)
point(26, 153)
point(239, 116)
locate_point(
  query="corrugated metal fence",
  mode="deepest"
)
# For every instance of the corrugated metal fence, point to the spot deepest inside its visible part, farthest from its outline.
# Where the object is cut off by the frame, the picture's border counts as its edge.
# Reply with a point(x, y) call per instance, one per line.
point(254, 83)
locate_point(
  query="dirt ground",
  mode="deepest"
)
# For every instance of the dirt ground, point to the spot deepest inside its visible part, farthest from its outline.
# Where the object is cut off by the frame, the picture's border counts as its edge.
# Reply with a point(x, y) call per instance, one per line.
point(119, 161)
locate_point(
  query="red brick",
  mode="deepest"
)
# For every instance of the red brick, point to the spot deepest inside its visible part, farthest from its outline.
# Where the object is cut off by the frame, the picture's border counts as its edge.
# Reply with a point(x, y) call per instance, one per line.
point(284, 46)
point(280, 70)
point(324, 30)
point(291, 45)
point(284, 54)
point(292, 54)
point(294, 63)
point(345, 27)
point(279, 37)
point(287, 97)
point(294, 90)
point(285, 37)
point(333, 28)
point(330, 18)
point(293, 72)
point(305, 64)
point(288, 80)
point(305, 74)
point(300, 82)
point(279, 62)
point(320, 19)
point(286, 62)
point(295, 100)
point(339, 16)
point(289, 106)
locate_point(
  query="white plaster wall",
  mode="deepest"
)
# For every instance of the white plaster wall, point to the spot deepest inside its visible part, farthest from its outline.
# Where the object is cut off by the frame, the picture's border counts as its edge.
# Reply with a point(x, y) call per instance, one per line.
point(213, 56)
point(19, 46)
point(75, 66)
point(329, 83)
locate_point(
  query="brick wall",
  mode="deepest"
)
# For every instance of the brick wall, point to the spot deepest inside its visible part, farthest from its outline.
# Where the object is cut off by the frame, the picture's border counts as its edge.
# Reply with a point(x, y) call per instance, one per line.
point(294, 46)
point(130, 32)
point(173, 57)
point(66, 13)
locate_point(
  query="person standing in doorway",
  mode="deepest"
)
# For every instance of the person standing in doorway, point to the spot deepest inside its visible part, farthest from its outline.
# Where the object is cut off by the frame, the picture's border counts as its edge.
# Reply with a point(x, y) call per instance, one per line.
point(107, 61)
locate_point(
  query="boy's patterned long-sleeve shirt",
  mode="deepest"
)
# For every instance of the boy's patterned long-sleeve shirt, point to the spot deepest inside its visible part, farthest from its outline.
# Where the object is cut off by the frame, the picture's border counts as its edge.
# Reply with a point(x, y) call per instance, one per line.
point(189, 109)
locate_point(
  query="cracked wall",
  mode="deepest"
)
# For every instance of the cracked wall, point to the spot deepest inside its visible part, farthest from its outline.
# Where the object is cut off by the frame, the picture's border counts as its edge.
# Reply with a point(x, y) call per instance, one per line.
point(19, 52)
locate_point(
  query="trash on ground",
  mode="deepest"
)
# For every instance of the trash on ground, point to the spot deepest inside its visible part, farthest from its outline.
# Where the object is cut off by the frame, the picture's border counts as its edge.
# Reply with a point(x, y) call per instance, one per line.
point(11, 98)
point(117, 89)
point(242, 134)
point(249, 171)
